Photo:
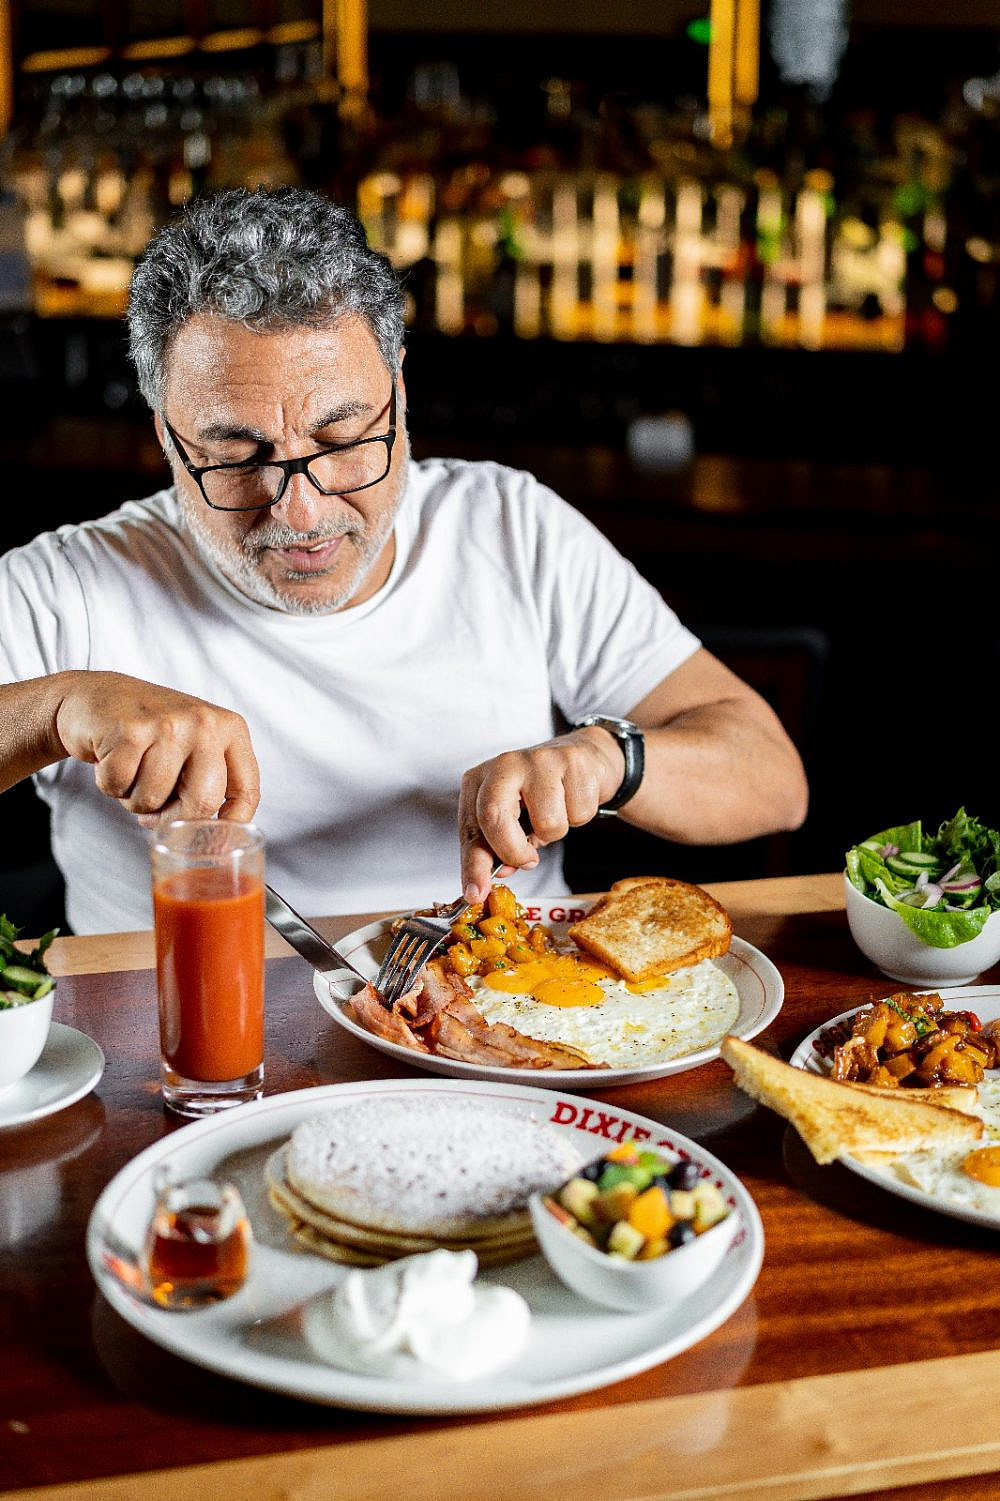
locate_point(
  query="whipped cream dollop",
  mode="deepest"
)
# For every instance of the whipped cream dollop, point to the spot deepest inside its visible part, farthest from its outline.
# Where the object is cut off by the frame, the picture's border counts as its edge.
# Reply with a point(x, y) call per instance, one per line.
point(419, 1314)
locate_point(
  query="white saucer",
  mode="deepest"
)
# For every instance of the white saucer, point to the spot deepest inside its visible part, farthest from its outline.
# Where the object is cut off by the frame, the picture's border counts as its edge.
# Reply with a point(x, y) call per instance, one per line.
point(70, 1066)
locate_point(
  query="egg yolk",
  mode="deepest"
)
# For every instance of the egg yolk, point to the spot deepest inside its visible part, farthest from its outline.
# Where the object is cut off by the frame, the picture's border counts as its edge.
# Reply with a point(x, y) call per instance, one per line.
point(639, 987)
point(553, 979)
point(984, 1166)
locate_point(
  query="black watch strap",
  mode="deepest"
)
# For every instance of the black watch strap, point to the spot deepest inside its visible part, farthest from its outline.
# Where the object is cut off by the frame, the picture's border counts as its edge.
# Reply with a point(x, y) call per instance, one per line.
point(630, 738)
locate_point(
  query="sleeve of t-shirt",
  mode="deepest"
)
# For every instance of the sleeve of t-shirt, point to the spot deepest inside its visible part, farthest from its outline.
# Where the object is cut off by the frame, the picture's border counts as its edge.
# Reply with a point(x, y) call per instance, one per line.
point(611, 638)
point(43, 615)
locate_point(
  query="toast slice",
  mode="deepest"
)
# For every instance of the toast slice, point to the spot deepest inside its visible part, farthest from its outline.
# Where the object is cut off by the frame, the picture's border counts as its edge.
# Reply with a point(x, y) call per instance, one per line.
point(652, 926)
point(847, 1120)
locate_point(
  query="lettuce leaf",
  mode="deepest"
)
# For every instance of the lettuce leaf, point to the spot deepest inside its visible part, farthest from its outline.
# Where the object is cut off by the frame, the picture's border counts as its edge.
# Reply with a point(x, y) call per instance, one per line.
point(962, 840)
point(939, 929)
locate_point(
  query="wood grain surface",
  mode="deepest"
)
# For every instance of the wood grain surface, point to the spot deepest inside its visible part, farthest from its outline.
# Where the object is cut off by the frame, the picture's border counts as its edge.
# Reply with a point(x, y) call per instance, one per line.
point(867, 1357)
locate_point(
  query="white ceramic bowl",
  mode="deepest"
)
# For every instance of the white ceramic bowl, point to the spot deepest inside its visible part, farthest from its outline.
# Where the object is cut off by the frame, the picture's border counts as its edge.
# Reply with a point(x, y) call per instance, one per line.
point(883, 937)
point(630, 1286)
point(24, 1031)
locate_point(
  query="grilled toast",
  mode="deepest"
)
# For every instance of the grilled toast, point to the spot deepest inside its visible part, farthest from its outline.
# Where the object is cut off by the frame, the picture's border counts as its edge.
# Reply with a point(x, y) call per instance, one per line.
point(836, 1119)
point(651, 926)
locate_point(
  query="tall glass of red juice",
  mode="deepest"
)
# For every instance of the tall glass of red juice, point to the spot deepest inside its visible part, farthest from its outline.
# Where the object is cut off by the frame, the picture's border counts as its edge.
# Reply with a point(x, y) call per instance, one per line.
point(208, 916)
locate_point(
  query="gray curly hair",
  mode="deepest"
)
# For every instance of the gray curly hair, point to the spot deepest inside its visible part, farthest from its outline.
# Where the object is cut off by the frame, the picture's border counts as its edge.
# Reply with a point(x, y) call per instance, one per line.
point(269, 259)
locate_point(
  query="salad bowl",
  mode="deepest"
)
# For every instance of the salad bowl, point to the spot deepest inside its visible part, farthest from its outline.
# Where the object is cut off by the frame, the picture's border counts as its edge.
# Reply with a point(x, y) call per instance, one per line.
point(884, 938)
point(924, 906)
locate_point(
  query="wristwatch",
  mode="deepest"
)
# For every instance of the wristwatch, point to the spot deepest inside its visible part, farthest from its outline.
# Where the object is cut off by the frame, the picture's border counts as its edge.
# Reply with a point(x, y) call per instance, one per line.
point(630, 738)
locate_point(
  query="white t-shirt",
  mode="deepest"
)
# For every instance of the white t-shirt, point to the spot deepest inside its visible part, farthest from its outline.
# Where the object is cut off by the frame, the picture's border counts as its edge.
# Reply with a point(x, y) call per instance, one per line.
point(504, 610)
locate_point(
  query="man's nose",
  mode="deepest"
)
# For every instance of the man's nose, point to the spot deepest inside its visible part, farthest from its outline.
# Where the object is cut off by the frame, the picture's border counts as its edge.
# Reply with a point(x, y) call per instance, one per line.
point(302, 505)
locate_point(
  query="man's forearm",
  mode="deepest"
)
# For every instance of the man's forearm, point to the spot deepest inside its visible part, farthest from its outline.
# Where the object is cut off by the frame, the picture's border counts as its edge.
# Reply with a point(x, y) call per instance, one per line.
point(719, 774)
point(28, 735)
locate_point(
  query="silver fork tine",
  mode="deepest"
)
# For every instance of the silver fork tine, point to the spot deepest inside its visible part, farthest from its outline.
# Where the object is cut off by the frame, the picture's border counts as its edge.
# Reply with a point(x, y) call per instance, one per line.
point(416, 955)
point(391, 988)
point(412, 944)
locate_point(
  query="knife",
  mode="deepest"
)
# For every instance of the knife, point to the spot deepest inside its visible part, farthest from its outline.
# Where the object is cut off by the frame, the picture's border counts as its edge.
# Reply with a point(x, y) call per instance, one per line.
point(305, 940)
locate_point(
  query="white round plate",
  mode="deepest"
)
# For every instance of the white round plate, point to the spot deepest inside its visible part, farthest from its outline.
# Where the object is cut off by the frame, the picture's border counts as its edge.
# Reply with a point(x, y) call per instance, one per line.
point(984, 1000)
point(256, 1336)
point(758, 983)
point(70, 1066)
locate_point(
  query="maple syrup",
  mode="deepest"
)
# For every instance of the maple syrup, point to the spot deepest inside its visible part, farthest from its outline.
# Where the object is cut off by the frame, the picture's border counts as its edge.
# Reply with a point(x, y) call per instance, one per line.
point(197, 1247)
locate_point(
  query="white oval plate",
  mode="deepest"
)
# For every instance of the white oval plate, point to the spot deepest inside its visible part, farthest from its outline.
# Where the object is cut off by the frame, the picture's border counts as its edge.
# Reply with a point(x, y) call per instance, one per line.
point(574, 1345)
point(984, 1000)
point(758, 983)
point(70, 1065)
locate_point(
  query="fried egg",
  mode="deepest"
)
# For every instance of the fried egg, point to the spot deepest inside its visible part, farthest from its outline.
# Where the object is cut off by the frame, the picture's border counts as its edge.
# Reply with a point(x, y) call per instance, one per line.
point(966, 1176)
point(577, 1001)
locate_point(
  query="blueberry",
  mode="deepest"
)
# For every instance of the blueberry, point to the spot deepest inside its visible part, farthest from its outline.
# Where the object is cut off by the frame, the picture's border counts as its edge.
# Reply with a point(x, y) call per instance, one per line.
point(680, 1233)
point(593, 1170)
point(684, 1175)
point(661, 1181)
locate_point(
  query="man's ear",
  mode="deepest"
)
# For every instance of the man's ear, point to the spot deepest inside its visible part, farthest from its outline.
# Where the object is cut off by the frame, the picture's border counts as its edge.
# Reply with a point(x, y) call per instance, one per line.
point(161, 435)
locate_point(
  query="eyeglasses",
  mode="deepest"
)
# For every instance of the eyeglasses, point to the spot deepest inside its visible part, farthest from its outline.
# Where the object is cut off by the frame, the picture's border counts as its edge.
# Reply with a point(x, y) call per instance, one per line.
point(339, 469)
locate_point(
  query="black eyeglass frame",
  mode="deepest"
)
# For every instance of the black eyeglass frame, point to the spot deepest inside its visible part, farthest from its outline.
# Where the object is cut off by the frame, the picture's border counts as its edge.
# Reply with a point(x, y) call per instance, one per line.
point(289, 467)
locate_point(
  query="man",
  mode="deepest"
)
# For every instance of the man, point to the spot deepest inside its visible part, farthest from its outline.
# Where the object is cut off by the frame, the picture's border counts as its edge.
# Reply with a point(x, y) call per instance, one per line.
point(311, 630)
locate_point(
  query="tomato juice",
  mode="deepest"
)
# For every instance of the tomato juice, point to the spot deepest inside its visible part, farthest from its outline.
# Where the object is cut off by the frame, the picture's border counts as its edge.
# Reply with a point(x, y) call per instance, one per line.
point(210, 972)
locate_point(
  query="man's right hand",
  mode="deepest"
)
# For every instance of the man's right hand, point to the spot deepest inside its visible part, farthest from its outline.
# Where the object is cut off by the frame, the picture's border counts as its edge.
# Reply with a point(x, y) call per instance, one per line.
point(156, 751)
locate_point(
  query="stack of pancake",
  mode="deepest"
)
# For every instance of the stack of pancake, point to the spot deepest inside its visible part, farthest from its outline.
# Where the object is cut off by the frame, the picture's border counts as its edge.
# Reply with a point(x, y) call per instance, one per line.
point(394, 1175)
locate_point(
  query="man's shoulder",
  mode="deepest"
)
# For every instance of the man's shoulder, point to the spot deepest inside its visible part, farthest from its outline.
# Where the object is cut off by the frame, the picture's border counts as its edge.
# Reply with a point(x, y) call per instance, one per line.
point(133, 528)
point(440, 483)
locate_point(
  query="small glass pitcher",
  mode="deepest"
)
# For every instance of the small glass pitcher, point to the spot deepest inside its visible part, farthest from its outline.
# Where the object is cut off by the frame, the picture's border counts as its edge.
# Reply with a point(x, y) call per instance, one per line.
point(197, 1247)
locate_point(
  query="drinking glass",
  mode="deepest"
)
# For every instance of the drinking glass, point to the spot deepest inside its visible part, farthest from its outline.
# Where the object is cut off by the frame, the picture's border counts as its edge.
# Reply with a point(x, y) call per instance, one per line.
point(208, 917)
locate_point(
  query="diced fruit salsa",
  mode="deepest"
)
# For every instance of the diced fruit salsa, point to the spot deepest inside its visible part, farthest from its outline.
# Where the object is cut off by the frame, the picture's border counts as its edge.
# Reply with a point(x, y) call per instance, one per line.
point(636, 1204)
point(23, 977)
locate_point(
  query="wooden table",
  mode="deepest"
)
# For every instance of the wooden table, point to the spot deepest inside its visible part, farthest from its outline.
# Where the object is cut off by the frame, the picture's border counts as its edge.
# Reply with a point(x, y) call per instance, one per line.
point(865, 1359)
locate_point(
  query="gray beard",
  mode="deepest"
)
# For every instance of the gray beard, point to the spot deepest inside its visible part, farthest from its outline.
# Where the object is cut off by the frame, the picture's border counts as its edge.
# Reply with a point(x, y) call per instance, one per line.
point(239, 562)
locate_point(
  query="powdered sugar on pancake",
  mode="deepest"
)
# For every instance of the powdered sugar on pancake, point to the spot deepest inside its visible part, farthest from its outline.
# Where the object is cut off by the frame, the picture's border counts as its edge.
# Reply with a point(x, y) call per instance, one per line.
point(433, 1164)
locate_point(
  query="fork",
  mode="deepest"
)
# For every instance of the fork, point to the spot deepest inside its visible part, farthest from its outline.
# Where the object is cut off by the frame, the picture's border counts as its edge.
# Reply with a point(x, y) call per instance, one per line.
point(416, 939)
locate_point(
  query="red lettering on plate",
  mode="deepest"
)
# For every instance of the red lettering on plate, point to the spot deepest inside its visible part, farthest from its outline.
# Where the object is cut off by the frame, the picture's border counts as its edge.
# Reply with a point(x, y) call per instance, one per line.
point(585, 1117)
point(639, 1133)
point(574, 914)
point(604, 1125)
point(564, 1114)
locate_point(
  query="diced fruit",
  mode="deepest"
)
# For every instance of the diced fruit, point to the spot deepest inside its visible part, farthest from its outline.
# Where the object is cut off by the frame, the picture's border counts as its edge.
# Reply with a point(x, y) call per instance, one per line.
point(559, 1213)
point(627, 1152)
point(682, 1204)
point(710, 1206)
point(684, 1175)
point(578, 1197)
point(681, 1233)
point(625, 1241)
point(613, 1203)
point(582, 1233)
point(653, 1249)
point(649, 1213)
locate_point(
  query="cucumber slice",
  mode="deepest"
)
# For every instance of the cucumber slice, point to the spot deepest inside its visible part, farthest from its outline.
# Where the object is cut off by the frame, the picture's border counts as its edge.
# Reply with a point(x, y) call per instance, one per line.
point(917, 857)
point(903, 865)
point(28, 981)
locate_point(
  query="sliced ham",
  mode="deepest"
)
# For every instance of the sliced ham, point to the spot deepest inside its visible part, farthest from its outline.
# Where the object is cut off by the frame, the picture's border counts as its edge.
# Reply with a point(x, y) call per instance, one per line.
point(460, 1030)
point(438, 1015)
point(369, 1011)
